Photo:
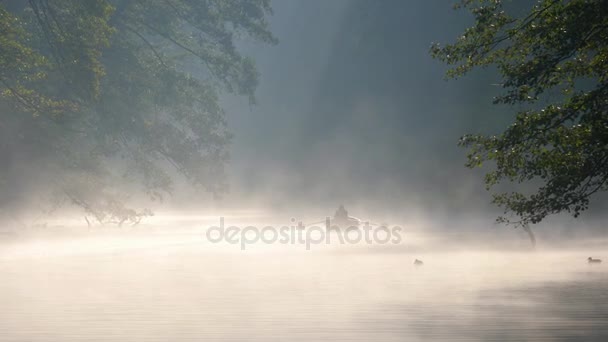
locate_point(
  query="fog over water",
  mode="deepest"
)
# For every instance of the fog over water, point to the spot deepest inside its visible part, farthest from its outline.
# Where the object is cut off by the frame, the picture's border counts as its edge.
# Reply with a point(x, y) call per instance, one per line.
point(351, 110)
point(155, 284)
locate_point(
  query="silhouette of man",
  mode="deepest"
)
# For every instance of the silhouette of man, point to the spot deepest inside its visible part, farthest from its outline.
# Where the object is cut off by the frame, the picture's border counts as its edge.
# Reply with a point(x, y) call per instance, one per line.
point(341, 214)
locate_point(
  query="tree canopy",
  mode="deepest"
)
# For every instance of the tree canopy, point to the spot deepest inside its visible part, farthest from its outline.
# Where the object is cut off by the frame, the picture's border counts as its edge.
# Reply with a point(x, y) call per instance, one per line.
point(98, 94)
point(553, 61)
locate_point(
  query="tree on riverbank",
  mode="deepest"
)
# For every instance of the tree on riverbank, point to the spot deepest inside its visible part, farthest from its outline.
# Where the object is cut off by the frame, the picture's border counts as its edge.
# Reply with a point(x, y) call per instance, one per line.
point(553, 64)
point(100, 98)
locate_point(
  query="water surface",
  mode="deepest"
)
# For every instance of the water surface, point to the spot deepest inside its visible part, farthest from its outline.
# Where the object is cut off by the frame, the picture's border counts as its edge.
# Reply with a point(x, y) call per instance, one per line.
point(177, 288)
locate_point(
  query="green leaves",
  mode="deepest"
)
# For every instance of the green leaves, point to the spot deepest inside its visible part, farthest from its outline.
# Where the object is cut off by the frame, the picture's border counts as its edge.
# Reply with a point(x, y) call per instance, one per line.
point(553, 64)
point(21, 67)
point(108, 92)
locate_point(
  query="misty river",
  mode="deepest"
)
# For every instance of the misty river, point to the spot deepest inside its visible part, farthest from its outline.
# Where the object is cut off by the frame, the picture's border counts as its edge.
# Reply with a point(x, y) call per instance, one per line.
point(174, 287)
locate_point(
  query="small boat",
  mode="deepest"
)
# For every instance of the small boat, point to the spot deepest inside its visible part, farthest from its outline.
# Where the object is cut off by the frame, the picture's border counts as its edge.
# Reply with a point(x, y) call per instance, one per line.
point(341, 219)
point(593, 261)
point(418, 262)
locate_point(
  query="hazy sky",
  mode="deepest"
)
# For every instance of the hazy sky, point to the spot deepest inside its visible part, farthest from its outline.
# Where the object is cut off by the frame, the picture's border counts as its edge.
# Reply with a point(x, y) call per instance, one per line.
point(352, 105)
point(352, 109)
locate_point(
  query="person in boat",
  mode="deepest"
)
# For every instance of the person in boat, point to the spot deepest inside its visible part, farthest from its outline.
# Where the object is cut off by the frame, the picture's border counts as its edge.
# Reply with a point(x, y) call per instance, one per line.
point(342, 219)
point(341, 214)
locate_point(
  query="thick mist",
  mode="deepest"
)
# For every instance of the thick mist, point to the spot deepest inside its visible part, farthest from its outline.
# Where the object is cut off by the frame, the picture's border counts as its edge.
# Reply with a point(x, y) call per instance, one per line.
point(350, 109)
point(353, 110)
point(334, 205)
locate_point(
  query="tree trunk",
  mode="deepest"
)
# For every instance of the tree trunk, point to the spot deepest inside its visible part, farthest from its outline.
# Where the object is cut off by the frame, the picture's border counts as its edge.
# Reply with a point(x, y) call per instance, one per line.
point(528, 230)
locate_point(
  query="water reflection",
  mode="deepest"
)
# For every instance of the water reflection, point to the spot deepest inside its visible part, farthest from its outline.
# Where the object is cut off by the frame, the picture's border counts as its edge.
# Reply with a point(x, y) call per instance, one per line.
point(176, 288)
